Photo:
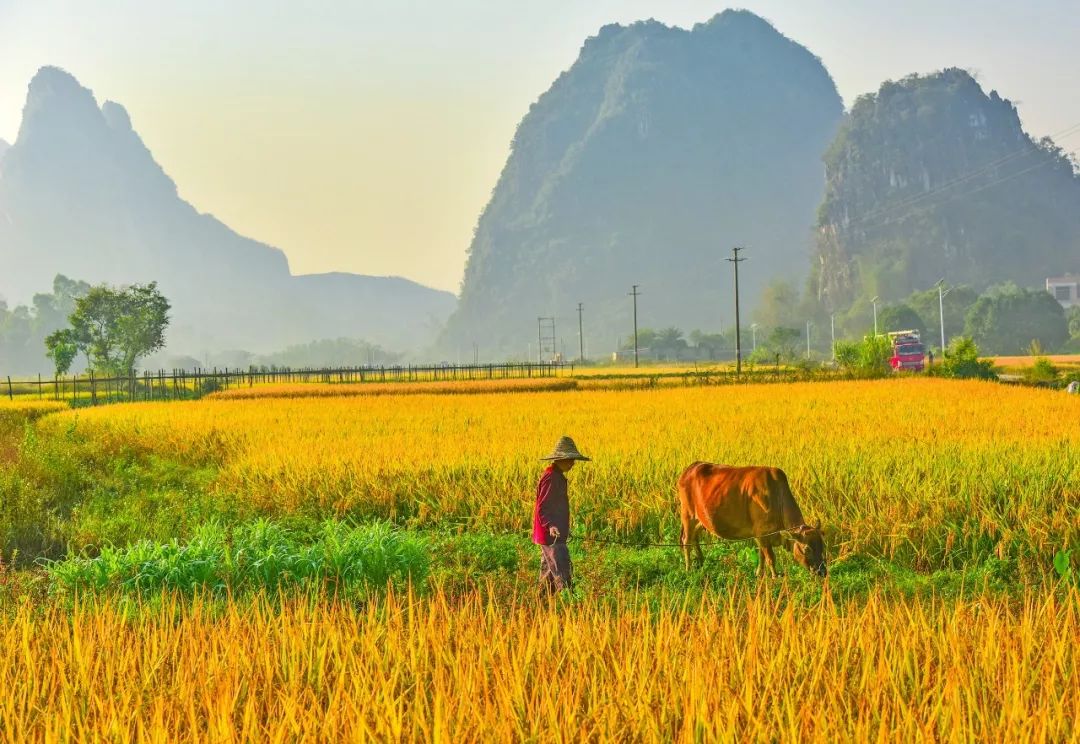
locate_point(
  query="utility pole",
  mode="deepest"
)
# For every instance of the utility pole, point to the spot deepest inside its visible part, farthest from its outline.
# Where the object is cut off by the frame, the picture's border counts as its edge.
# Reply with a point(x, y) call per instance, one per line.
point(832, 333)
point(941, 292)
point(735, 260)
point(635, 294)
point(874, 303)
point(580, 334)
point(539, 341)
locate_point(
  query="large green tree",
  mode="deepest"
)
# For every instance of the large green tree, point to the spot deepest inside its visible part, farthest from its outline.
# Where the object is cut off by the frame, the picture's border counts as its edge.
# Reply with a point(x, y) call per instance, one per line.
point(24, 327)
point(956, 301)
point(783, 341)
point(669, 343)
point(900, 318)
point(1073, 318)
point(779, 306)
point(1007, 320)
point(710, 345)
point(114, 327)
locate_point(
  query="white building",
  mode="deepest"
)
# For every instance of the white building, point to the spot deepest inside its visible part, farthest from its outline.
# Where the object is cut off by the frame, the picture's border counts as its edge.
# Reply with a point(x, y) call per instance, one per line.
point(1065, 289)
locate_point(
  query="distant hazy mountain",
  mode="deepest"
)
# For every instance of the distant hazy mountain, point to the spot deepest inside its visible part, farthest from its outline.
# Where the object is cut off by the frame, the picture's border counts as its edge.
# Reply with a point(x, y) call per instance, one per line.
point(4, 146)
point(644, 163)
point(81, 195)
point(931, 177)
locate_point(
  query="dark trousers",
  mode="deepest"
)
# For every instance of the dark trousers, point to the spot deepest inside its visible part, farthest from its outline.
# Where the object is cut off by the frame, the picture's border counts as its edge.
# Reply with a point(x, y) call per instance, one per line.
point(555, 568)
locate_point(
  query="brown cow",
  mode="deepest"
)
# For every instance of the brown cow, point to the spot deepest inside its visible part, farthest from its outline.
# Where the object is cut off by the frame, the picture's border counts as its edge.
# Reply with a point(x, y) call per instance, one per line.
point(749, 502)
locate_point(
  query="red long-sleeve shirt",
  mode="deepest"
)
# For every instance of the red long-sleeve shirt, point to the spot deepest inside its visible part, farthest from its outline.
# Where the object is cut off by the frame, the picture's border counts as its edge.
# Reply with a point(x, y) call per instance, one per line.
point(552, 507)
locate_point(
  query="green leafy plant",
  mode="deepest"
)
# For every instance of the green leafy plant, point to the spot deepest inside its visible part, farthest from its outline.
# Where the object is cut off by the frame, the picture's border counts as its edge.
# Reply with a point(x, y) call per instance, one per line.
point(962, 361)
point(1063, 565)
point(1043, 370)
point(259, 555)
point(866, 358)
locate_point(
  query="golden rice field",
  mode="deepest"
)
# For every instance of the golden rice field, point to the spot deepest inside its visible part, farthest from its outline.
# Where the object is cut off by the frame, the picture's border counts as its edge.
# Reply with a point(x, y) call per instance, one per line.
point(740, 667)
point(931, 470)
point(30, 405)
point(12, 416)
point(1021, 362)
point(920, 475)
point(593, 380)
point(347, 390)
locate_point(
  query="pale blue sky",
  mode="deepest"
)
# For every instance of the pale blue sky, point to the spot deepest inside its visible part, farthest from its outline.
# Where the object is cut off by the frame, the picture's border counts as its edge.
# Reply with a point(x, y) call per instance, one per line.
point(367, 136)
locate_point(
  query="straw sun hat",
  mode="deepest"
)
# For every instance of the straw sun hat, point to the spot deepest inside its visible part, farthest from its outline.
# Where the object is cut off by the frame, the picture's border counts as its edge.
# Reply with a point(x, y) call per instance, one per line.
point(566, 450)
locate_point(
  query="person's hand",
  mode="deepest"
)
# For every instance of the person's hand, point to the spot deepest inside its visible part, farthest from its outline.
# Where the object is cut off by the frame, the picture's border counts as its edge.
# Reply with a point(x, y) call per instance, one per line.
point(553, 532)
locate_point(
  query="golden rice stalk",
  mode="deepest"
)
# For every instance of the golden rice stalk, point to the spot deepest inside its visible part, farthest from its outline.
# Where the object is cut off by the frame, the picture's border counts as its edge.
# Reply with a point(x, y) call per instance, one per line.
point(741, 667)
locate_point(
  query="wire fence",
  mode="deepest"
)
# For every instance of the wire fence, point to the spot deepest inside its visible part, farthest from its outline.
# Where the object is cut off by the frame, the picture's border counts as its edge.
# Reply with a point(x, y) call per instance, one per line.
point(92, 389)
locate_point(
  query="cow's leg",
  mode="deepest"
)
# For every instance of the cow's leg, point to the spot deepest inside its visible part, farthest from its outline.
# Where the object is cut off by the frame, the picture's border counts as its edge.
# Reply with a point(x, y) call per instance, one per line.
point(684, 536)
point(767, 560)
point(689, 534)
point(691, 540)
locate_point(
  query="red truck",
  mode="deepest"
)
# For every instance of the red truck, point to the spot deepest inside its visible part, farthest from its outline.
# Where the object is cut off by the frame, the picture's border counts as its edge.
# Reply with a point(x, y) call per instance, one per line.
point(907, 351)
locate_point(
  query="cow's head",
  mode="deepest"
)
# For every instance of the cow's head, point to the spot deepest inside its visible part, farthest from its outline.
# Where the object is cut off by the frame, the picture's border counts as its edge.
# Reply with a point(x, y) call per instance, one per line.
point(808, 548)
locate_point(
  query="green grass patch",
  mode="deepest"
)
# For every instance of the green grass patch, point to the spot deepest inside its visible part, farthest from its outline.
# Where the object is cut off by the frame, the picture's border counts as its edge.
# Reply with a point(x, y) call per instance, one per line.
point(260, 555)
point(357, 560)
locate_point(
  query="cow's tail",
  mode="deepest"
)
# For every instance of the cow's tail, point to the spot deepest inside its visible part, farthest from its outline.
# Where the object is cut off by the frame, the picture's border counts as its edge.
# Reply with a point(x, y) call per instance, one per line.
point(686, 472)
point(684, 485)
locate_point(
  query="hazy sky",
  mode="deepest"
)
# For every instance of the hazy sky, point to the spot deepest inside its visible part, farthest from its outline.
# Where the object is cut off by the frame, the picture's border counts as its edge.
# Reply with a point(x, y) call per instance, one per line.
point(367, 136)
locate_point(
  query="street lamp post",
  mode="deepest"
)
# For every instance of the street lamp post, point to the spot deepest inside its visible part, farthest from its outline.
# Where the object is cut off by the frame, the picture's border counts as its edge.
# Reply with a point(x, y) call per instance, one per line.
point(875, 302)
point(832, 334)
point(941, 292)
point(580, 333)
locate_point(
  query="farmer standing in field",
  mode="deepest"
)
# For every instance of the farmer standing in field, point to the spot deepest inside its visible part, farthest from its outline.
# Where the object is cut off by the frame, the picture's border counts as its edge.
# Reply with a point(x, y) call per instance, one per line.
point(551, 517)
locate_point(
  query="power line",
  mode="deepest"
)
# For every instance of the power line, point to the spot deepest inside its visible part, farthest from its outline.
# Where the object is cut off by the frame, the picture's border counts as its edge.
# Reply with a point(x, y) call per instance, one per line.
point(955, 197)
point(914, 199)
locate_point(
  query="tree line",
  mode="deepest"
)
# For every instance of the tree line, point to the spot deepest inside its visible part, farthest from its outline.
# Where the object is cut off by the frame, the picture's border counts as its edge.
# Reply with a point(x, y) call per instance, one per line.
point(1002, 320)
point(112, 330)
